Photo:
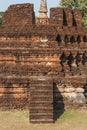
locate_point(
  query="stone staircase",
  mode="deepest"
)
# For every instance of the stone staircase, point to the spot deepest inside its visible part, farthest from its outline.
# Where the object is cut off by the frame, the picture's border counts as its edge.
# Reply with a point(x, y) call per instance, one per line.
point(41, 100)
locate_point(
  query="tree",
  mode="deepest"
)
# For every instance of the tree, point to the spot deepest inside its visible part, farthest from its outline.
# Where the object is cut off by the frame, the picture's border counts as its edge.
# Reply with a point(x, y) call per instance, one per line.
point(1, 13)
point(78, 4)
point(0, 21)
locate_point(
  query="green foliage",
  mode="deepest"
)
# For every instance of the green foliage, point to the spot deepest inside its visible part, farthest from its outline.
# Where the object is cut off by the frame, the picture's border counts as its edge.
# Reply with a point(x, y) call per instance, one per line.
point(78, 4)
point(1, 13)
point(0, 21)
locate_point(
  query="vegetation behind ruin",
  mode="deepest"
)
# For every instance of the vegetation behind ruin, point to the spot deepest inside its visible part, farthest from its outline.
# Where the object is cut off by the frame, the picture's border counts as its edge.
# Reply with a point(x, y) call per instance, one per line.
point(1, 13)
point(76, 4)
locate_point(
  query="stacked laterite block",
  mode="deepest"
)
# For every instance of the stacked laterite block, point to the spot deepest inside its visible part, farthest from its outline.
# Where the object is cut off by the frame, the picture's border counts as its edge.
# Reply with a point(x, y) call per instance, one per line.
point(35, 50)
point(41, 100)
point(78, 17)
point(68, 17)
point(20, 14)
point(65, 17)
point(14, 93)
point(56, 16)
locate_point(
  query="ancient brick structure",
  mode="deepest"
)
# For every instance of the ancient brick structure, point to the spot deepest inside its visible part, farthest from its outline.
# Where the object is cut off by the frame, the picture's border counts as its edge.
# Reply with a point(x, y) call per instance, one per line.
point(19, 15)
point(57, 50)
point(43, 18)
point(41, 100)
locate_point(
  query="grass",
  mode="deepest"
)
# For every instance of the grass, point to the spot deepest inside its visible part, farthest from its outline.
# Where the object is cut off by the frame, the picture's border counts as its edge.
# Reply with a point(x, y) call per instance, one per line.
point(19, 120)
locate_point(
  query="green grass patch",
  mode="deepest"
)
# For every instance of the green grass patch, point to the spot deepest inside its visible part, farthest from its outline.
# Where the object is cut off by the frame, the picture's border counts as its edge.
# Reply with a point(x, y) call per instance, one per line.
point(74, 118)
point(19, 120)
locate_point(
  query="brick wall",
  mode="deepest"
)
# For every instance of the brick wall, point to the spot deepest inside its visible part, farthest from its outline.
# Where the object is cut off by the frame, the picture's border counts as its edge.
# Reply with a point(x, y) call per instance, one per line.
point(65, 17)
point(35, 50)
point(20, 14)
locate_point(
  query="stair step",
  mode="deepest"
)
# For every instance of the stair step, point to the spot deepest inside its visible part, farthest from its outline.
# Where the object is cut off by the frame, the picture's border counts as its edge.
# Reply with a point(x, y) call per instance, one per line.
point(41, 114)
point(38, 121)
point(41, 108)
point(41, 101)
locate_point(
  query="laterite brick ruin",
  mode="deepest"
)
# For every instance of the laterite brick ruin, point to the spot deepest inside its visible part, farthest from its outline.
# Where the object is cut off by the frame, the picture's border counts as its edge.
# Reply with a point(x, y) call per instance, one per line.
point(43, 61)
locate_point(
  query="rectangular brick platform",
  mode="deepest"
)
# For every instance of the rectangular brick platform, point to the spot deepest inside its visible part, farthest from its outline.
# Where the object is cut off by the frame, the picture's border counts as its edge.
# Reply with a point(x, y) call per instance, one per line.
point(41, 100)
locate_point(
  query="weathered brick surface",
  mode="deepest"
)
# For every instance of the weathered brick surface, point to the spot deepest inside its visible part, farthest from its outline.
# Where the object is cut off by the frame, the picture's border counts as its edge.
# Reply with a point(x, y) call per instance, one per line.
point(35, 50)
point(20, 14)
point(65, 17)
point(56, 16)
point(68, 17)
point(41, 100)
point(78, 17)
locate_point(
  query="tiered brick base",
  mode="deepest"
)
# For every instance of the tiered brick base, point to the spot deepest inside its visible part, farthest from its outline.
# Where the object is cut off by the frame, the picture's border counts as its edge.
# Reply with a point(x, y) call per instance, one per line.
point(41, 100)
point(28, 49)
